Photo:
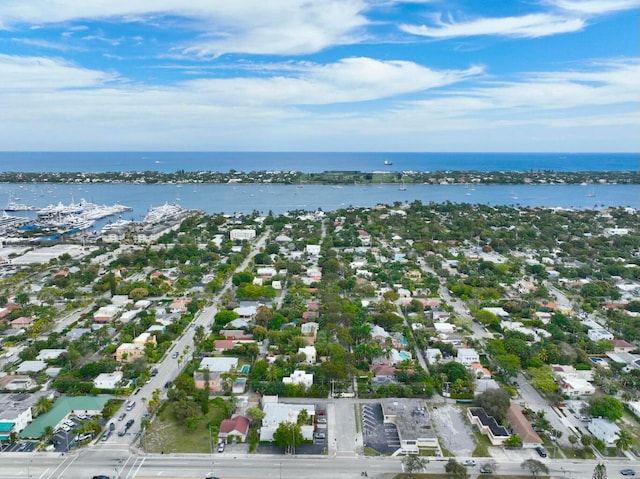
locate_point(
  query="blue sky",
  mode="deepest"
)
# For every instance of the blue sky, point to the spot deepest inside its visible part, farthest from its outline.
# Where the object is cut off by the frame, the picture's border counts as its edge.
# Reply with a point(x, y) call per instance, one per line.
point(320, 75)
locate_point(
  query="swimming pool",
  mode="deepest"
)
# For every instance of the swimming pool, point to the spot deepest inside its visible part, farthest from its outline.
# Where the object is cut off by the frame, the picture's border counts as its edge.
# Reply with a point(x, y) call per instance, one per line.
point(404, 355)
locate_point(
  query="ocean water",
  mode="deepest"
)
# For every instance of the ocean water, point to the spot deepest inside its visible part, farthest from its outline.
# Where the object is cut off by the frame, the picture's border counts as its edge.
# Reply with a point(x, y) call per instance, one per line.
point(170, 162)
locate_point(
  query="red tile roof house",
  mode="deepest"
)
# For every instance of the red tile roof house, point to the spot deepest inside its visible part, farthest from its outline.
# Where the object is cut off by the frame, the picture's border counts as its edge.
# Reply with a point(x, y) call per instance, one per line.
point(237, 426)
point(22, 322)
point(179, 305)
point(4, 312)
point(222, 345)
point(621, 346)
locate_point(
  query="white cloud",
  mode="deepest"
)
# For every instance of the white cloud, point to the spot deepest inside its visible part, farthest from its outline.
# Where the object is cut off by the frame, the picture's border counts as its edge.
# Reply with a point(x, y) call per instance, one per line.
point(347, 81)
point(528, 26)
point(595, 7)
point(279, 27)
point(46, 75)
point(58, 105)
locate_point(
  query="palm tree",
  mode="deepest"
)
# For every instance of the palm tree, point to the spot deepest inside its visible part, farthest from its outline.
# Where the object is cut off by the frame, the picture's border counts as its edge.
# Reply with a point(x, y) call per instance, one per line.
point(272, 373)
point(42, 405)
point(47, 434)
point(624, 440)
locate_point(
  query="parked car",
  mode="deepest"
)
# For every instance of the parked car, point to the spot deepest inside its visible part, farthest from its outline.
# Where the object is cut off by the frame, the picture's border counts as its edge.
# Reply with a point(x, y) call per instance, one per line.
point(112, 426)
point(320, 435)
point(121, 416)
point(628, 472)
point(541, 451)
point(221, 447)
point(469, 463)
point(486, 469)
point(131, 405)
point(129, 423)
point(175, 355)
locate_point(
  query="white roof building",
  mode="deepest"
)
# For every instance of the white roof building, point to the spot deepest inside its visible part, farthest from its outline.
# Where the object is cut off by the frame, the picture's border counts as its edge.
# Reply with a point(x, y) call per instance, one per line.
point(46, 354)
point(599, 335)
point(31, 367)
point(604, 430)
point(313, 249)
point(433, 356)
point(219, 365)
point(242, 234)
point(467, 356)
point(299, 377)
point(310, 353)
point(108, 380)
point(276, 412)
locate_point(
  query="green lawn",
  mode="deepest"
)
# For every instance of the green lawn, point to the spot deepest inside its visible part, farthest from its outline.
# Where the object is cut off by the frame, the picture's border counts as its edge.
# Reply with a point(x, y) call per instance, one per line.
point(165, 434)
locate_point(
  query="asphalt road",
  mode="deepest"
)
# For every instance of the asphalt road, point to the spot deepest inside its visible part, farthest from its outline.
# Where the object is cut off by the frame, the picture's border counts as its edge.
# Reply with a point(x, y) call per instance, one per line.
point(123, 465)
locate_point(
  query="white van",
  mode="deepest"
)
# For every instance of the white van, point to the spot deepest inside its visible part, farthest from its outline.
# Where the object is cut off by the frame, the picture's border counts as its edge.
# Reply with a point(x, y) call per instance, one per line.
point(131, 405)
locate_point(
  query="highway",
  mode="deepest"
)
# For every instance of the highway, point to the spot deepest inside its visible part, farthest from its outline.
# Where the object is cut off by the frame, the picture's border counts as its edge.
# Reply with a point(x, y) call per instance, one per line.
point(121, 464)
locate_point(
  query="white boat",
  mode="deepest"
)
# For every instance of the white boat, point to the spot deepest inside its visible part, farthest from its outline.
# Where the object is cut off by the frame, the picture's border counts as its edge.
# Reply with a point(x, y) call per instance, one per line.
point(388, 162)
point(14, 205)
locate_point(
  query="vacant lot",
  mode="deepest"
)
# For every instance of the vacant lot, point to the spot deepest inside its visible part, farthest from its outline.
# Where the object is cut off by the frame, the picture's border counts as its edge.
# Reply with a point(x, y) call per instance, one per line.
point(165, 434)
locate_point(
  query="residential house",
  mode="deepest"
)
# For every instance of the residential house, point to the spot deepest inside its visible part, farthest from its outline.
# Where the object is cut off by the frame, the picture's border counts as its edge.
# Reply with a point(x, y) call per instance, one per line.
point(144, 339)
point(440, 316)
point(599, 335)
point(433, 356)
point(237, 428)
point(49, 354)
point(16, 382)
point(576, 387)
point(22, 322)
point(108, 380)
point(105, 314)
point(220, 365)
point(479, 371)
point(309, 329)
point(213, 379)
point(634, 407)
point(299, 377)
point(179, 305)
point(236, 334)
point(222, 345)
point(128, 352)
point(310, 354)
point(621, 346)
point(31, 367)
point(467, 356)
point(312, 249)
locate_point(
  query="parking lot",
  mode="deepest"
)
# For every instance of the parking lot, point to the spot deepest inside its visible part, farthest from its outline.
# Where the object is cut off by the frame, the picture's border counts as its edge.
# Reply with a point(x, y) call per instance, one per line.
point(22, 446)
point(378, 435)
